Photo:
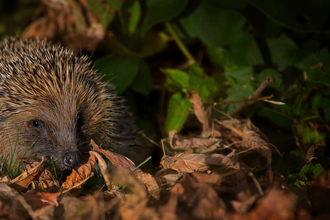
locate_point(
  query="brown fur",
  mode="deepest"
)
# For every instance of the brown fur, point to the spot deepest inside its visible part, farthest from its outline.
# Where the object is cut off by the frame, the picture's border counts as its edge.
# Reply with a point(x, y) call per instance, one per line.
point(51, 85)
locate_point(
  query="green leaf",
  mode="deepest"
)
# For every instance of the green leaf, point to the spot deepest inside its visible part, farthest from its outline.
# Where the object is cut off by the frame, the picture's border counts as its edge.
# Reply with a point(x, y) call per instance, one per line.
point(316, 169)
point(307, 56)
point(245, 51)
point(238, 92)
point(222, 57)
point(135, 12)
point(162, 10)
point(142, 82)
point(296, 176)
point(121, 70)
point(307, 135)
point(215, 27)
point(106, 9)
point(178, 111)
point(283, 50)
point(270, 72)
point(242, 52)
point(298, 154)
point(241, 75)
point(205, 87)
point(308, 15)
point(176, 79)
point(322, 105)
point(315, 75)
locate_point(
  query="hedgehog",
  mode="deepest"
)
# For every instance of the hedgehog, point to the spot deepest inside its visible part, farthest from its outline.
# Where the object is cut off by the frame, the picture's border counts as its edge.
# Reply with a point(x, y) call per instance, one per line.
point(52, 103)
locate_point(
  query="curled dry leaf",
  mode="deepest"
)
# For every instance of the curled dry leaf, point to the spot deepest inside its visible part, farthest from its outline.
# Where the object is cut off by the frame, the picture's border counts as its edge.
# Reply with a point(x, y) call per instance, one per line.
point(168, 211)
point(134, 206)
point(103, 167)
point(250, 139)
point(192, 145)
point(40, 199)
point(119, 161)
point(22, 181)
point(123, 163)
point(83, 172)
point(70, 21)
point(13, 205)
point(195, 199)
point(277, 204)
point(47, 182)
point(201, 115)
point(168, 178)
point(5, 179)
point(249, 136)
point(89, 207)
point(196, 162)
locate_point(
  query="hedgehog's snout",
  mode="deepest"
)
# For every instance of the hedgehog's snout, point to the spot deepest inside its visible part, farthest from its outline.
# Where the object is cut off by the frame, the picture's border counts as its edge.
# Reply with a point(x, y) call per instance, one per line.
point(71, 159)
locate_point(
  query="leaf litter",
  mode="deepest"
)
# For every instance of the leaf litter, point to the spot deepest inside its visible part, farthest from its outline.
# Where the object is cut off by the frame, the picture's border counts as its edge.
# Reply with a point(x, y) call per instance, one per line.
point(209, 176)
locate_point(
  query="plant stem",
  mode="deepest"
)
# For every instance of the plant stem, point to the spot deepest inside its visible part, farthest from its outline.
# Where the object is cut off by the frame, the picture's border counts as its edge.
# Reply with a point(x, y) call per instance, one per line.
point(268, 80)
point(179, 43)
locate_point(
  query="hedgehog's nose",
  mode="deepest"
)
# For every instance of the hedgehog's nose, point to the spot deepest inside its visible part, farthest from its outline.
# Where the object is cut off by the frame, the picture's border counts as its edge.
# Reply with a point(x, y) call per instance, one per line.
point(71, 159)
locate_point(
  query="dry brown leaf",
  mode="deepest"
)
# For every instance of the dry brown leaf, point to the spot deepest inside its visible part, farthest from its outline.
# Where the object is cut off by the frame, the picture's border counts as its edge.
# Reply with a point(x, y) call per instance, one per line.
point(134, 206)
point(5, 179)
point(22, 181)
point(84, 208)
point(47, 182)
point(192, 145)
point(195, 199)
point(168, 211)
point(213, 178)
point(277, 204)
point(70, 21)
point(83, 172)
point(40, 199)
point(201, 115)
point(149, 181)
point(168, 178)
point(195, 162)
point(250, 140)
point(103, 167)
point(41, 28)
point(121, 162)
point(13, 205)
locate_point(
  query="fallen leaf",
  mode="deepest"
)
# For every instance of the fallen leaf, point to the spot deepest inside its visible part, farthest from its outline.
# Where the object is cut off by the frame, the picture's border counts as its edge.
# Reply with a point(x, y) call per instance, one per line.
point(22, 181)
point(117, 160)
point(70, 21)
point(121, 162)
point(76, 177)
point(13, 205)
point(277, 204)
point(191, 145)
point(40, 199)
point(195, 162)
point(201, 115)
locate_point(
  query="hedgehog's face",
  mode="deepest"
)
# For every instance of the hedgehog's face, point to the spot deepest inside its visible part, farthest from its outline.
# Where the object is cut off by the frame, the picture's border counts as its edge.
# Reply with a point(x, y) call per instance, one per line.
point(60, 130)
point(60, 133)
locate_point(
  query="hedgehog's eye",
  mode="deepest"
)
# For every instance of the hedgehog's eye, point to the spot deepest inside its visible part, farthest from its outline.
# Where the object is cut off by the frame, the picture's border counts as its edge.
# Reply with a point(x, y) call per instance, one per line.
point(36, 123)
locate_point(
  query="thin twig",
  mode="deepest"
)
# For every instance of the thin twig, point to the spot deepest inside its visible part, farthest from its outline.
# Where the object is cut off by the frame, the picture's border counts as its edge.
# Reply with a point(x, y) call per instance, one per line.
point(243, 100)
point(79, 184)
point(256, 183)
point(264, 84)
point(181, 46)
